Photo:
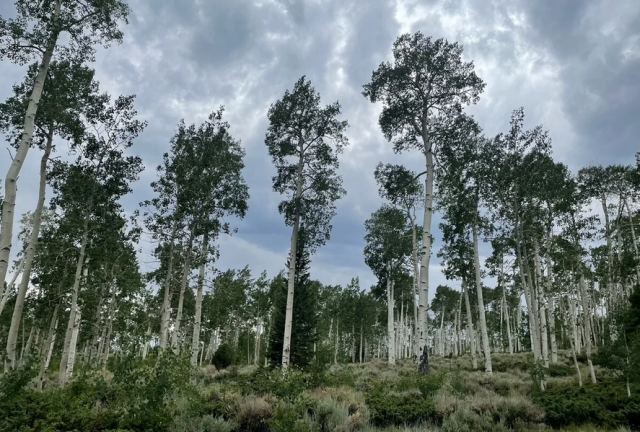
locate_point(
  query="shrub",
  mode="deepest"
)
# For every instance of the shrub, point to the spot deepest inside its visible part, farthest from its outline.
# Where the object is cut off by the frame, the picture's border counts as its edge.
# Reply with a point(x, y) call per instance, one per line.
point(253, 414)
point(224, 356)
point(335, 409)
point(604, 404)
point(202, 424)
point(398, 408)
point(287, 417)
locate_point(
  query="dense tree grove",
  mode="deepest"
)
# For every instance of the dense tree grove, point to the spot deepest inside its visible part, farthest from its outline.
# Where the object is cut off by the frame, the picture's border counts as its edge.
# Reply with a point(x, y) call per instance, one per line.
point(540, 259)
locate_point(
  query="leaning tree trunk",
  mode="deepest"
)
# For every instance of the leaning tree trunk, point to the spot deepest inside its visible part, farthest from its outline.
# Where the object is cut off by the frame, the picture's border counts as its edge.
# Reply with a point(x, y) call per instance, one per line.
point(36, 219)
point(197, 318)
point(175, 336)
point(5, 292)
point(481, 317)
point(67, 347)
point(165, 312)
point(470, 330)
point(423, 294)
point(11, 179)
point(48, 346)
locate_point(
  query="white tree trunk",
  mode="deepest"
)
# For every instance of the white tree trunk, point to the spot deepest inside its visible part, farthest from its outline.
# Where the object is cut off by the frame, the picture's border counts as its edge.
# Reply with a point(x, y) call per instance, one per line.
point(197, 318)
point(542, 314)
point(470, 330)
point(390, 324)
point(587, 325)
point(71, 360)
point(165, 311)
point(507, 320)
point(73, 311)
point(27, 263)
point(5, 293)
point(10, 182)
point(486, 348)
point(48, 346)
point(426, 255)
point(175, 336)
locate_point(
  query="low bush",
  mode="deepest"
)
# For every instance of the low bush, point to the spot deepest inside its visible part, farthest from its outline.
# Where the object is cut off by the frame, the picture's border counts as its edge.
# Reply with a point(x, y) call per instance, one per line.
point(253, 414)
point(604, 404)
point(398, 408)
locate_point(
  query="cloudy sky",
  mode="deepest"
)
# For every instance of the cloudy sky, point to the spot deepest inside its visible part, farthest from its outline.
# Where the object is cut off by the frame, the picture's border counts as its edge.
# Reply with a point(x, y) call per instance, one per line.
point(574, 65)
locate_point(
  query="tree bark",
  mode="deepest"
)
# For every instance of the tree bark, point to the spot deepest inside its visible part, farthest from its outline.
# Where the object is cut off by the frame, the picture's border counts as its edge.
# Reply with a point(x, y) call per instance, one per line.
point(73, 346)
point(48, 346)
point(10, 182)
point(486, 348)
point(391, 358)
point(62, 377)
point(470, 330)
point(288, 316)
point(426, 254)
point(36, 219)
point(587, 325)
point(507, 320)
point(165, 313)
point(175, 336)
point(197, 319)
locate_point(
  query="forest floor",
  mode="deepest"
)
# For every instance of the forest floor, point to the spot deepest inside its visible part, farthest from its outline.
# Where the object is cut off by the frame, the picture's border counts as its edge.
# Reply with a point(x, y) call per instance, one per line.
point(165, 395)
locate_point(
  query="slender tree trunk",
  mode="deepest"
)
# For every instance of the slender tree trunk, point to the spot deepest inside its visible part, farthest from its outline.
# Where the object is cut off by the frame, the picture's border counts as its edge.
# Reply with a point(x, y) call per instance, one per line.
point(470, 330)
point(175, 336)
point(552, 331)
point(542, 314)
point(288, 317)
point(390, 319)
point(71, 359)
point(165, 311)
point(195, 340)
point(442, 332)
point(5, 293)
point(145, 346)
point(528, 296)
point(48, 346)
point(423, 318)
point(26, 348)
point(361, 340)
point(10, 182)
point(587, 326)
point(335, 350)
point(73, 311)
point(36, 220)
point(483, 322)
point(507, 320)
point(416, 286)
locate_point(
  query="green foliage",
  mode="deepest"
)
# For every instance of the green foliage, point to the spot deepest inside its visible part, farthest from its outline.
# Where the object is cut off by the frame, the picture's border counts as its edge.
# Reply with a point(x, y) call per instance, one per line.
point(304, 140)
point(604, 404)
point(397, 408)
point(142, 397)
point(224, 356)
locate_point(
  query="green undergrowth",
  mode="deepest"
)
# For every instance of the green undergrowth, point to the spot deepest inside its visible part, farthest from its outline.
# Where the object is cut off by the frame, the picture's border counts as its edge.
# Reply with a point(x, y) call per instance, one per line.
point(165, 394)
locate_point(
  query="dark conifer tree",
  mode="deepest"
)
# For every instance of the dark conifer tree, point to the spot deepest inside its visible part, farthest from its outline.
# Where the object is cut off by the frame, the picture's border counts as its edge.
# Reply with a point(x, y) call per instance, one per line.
point(305, 317)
